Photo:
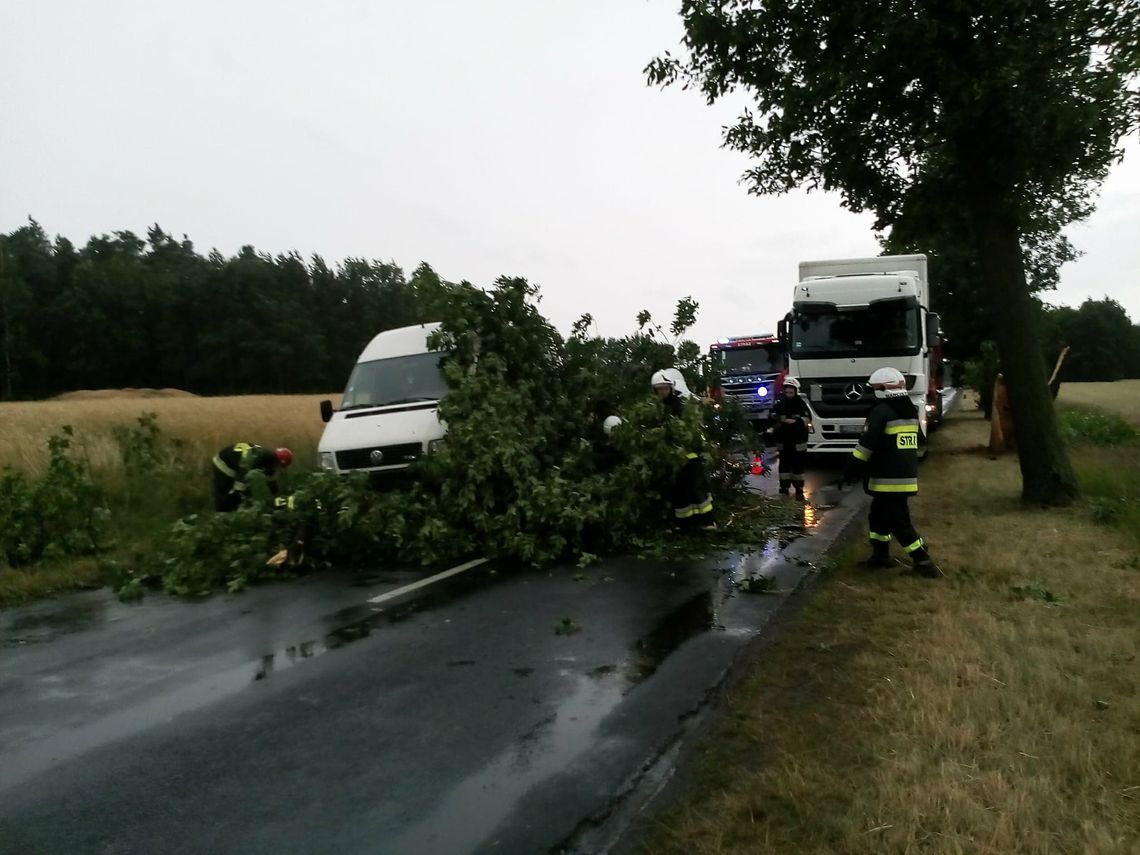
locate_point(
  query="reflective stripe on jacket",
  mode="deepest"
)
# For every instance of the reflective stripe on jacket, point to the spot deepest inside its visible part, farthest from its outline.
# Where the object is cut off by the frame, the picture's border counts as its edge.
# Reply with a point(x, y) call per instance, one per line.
point(888, 447)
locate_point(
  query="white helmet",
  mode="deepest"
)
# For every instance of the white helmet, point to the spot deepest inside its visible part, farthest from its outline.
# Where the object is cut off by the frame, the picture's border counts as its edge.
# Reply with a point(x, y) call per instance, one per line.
point(610, 423)
point(793, 382)
point(671, 377)
point(892, 381)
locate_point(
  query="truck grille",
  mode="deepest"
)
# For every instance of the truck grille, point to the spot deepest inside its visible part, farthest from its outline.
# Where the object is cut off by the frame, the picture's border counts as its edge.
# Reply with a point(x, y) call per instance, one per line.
point(744, 394)
point(832, 397)
point(393, 455)
point(840, 397)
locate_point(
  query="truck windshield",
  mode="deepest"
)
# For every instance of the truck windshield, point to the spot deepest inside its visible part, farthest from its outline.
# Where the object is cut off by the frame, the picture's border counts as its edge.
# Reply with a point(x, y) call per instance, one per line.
point(884, 328)
point(398, 380)
point(749, 360)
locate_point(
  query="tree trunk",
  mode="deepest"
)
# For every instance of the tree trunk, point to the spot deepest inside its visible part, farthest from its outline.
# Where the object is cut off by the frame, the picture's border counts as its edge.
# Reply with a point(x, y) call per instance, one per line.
point(1047, 476)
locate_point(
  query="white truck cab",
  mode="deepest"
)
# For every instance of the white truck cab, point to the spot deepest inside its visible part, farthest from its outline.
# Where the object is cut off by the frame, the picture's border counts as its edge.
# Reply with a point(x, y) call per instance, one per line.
point(389, 415)
point(850, 317)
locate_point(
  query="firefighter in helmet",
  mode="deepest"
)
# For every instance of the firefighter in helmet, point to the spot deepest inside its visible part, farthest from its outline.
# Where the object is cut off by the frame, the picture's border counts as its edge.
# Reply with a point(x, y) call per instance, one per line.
point(886, 459)
point(690, 496)
point(789, 432)
point(232, 466)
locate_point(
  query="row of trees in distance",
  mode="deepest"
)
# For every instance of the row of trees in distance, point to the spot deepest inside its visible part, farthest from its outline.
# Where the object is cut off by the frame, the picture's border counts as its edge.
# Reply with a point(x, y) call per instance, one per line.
point(122, 311)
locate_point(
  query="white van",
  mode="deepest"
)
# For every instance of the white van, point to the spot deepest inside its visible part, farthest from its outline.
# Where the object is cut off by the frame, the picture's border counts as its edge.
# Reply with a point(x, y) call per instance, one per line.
point(389, 416)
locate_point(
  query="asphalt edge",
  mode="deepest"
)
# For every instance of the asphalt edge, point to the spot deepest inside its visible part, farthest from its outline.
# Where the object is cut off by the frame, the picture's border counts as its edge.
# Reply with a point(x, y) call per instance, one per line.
point(661, 781)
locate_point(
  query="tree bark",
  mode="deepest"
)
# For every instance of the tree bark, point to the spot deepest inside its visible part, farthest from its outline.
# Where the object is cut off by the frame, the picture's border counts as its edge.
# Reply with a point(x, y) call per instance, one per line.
point(1047, 476)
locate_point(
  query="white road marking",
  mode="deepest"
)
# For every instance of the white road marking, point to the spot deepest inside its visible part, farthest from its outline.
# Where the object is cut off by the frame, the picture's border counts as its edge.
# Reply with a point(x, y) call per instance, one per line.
point(430, 580)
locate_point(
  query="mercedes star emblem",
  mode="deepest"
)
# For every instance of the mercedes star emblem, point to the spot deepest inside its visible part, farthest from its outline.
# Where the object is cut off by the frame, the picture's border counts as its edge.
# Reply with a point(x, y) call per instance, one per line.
point(377, 457)
point(854, 391)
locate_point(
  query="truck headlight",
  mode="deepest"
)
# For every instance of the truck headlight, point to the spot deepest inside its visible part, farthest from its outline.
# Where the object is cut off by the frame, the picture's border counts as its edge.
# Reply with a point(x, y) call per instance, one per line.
point(435, 445)
point(327, 461)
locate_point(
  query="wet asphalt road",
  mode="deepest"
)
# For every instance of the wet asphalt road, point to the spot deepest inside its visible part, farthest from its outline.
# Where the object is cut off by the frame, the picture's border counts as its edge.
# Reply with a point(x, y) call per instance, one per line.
point(301, 718)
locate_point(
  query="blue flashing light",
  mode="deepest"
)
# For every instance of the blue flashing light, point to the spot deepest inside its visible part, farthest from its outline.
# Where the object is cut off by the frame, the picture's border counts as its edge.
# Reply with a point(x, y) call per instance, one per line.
point(762, 392)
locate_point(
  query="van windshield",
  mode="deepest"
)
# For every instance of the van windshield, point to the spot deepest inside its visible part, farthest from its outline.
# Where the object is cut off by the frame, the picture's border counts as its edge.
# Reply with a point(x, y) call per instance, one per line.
point(398, 380)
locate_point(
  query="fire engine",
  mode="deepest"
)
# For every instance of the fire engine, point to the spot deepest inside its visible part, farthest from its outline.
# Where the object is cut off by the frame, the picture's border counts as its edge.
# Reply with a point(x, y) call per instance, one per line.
point(751, 370)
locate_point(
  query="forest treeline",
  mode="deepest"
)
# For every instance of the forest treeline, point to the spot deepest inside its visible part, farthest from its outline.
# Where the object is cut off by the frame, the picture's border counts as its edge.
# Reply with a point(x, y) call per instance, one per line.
point(126, 311)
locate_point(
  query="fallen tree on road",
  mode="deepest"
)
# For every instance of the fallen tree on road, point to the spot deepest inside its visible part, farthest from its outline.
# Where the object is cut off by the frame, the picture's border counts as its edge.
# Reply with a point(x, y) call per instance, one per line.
point(520, 476)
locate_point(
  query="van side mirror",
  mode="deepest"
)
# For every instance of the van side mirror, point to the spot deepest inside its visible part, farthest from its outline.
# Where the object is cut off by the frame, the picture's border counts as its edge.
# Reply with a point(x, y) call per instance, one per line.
point(326, 411)
point(933, 329)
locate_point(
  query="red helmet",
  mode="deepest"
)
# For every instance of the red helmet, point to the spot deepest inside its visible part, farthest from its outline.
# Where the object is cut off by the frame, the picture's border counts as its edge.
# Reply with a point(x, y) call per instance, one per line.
point(284, 456)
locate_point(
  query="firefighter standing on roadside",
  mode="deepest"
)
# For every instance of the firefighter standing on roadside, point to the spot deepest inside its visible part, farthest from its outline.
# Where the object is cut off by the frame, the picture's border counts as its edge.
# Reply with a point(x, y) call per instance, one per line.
point(792, 420)
point(691, 498)
point(886, 459)
point(232, 466)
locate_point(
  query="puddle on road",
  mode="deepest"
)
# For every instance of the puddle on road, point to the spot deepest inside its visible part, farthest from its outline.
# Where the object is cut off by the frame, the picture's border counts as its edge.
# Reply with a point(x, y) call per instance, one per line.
point(471, 811)
point(46, 624)
point(691, 618)
point(346, 626)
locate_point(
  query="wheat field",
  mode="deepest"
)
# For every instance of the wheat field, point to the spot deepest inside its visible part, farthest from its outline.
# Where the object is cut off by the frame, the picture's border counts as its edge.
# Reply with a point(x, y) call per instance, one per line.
point(1121, 397)
point(204, 424)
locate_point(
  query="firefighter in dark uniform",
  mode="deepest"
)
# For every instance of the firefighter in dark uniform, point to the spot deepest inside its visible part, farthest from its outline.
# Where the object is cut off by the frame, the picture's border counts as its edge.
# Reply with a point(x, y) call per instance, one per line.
point(232, 466)
point(791, 424)
point(691, 498)
point(886, 460)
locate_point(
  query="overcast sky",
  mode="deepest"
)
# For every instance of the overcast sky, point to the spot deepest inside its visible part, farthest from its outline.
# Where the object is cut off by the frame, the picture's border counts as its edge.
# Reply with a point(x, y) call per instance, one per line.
point(485, 137)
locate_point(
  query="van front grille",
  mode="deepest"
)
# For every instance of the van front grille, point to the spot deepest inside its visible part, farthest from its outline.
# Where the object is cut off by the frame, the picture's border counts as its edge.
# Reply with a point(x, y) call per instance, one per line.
point(379, 455)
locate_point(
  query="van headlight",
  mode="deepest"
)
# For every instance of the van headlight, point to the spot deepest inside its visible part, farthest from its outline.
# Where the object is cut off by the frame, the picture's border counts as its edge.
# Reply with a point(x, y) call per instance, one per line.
point(327, 461)
point(435, 445)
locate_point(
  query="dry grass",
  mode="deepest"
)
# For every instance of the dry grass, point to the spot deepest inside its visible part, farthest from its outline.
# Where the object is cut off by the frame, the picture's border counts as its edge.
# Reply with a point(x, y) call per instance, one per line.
point(206, 424)
point(967, 715)
point(1121, 397)
point(20, 586)
point(141, 514)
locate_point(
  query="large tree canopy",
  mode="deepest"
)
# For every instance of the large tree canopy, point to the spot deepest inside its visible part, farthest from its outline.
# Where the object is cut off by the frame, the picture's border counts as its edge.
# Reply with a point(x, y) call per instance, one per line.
point(999, 115)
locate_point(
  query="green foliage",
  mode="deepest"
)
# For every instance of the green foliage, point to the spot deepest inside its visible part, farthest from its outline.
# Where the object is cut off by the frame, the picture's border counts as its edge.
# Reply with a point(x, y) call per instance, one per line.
point(1033, 590)
point(526, 471)
point(59, 514)
point(125, 311)
point(1107, 511)
point(1080, 425)
point(896, 104)
point(1110, 478)
point(139, 446)
point(1104, 343)
point(980, 375)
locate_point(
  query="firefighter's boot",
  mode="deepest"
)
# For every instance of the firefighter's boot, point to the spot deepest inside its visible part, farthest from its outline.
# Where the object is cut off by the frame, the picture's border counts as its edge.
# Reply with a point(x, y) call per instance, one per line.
point(923, 565)
point(880, 556)
point(784, 487)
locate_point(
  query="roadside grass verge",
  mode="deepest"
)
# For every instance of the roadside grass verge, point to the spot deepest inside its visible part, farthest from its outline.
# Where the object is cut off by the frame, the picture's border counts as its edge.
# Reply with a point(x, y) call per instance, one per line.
point(994, 711)
point(19, 585)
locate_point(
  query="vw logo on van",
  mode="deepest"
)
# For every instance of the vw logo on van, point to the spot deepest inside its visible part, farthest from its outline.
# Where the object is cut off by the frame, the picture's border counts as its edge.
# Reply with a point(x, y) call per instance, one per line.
point(377, 457)
point(854, 391)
